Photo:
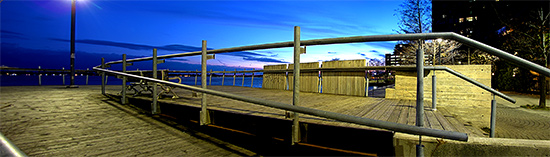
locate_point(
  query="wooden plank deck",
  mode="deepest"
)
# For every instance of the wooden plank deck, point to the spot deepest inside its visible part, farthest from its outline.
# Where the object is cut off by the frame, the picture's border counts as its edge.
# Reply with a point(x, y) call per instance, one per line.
point(399, 111)
point(57, 121)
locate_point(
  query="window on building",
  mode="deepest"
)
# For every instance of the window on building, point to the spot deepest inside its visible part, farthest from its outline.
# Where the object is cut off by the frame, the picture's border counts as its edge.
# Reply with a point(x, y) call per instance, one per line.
point(460, 20)
point(444, 16)
point(470, 19)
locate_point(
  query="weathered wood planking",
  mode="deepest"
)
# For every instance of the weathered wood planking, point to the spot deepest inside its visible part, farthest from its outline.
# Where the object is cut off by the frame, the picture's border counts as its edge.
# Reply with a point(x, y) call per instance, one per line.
point(309, 81)
point(400, 111)
point(344, 83)
point(56, 121)
point(274, 80)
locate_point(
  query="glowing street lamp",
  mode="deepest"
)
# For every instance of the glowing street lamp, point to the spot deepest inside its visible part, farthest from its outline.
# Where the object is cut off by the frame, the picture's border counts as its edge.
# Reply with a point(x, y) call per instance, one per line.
point(73, 17)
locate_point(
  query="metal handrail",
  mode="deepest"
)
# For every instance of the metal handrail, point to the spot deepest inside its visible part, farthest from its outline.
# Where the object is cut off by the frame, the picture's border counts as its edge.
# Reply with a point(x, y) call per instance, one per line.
point(327, 114)
point(419, 130)
point(480, 85)
point(7, 148)
point(402, 68)
point(425, 36)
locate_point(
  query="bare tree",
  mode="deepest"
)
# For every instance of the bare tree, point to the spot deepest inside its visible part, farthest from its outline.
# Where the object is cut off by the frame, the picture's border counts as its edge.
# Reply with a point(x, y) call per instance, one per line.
point(480, 57)
point(529, 38)
point(439, 52)
point(415, 16)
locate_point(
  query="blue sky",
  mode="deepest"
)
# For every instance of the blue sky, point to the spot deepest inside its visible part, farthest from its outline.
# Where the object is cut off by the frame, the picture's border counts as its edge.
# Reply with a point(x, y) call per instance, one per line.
point(38, 32)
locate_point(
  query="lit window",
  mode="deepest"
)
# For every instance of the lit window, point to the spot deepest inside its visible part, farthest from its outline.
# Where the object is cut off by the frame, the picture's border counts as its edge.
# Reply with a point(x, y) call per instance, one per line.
point(470, 19)
point(460, 20)
point(475, 17)
point(444, 16)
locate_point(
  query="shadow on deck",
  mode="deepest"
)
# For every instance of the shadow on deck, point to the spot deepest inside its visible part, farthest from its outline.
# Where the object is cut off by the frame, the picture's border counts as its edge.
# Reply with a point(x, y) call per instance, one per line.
point(247, 125)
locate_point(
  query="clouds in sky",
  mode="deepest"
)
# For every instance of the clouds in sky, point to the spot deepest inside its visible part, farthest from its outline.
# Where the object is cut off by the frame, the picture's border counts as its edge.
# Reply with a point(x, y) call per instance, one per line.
point(136, 27)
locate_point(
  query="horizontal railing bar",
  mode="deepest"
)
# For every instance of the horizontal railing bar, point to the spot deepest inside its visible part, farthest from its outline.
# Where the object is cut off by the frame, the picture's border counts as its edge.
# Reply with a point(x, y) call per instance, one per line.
point(326, 114)
point(7, 148)
point(42, 70)
point(424, 36)
point(466, 78)
point(326, 41)
point(359, 69)
point(494, 51)
point(403, 68)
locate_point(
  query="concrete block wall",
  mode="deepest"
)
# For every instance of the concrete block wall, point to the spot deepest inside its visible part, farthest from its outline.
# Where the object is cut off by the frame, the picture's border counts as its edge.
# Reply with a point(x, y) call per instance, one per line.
point(458, 96)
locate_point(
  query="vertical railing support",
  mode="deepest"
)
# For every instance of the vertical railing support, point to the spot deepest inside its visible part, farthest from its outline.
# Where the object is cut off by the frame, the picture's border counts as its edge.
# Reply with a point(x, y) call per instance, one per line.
point(367, 84)
point(287, 81)
point(252, 80)
point(210, 80)
point(234, 77)
point(87, 73)
point(39, 77)
point(243, 78)
point(223, 77)
point(320, 82)
point(434, 92)
point(296, 88)
point(154, 106)
point(204, 116)
point(493, 116)
point(419, 97)
point(103, 76)
point(63, 74)
point(196, 75)
point(123, 99)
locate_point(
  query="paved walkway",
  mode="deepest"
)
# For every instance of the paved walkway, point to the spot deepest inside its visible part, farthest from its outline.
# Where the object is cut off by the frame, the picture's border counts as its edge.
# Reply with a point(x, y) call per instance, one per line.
point(56, 121)
point(516, 122)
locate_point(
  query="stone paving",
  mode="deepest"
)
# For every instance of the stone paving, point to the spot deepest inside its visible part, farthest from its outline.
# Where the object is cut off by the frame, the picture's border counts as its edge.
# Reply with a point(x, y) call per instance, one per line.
point(516, 122)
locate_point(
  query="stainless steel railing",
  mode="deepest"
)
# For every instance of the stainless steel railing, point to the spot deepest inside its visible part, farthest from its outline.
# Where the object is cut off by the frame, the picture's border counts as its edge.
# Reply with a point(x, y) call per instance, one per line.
point(326, 114)
point(418, 129)
point(8, 149)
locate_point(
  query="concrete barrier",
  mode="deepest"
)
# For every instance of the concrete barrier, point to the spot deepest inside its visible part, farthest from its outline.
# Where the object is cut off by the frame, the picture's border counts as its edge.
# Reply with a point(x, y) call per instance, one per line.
point(405, 145)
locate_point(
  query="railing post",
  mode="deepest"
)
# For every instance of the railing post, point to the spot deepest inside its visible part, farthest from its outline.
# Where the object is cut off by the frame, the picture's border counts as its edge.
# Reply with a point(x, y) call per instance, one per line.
point(287, 81)
point(296, 89)
point(210, 80)
point(234, 77)
point(320, 81)
point(123, 99)
point(39, 77)
point(243, 78)
point(103, 79)
point(87, 73)
point(493, 116)
point(196, 75)
point(419, 97)
point(252, 81)
point(63, 74)
point(434, 92)
point(154, 106)
point(367, 84)
point(223, 77)
point(204, 116)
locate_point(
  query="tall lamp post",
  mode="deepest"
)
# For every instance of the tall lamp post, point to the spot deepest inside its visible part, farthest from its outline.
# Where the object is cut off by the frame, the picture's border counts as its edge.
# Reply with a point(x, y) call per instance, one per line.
point(73, 16)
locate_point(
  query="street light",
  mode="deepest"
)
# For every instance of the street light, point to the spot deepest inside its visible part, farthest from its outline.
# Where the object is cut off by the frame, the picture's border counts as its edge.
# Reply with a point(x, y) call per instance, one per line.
point(73, 17)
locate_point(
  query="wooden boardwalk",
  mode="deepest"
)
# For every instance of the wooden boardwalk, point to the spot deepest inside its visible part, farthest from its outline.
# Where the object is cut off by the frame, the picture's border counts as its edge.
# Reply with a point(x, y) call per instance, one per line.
point(56, 121)
point(399, 111)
